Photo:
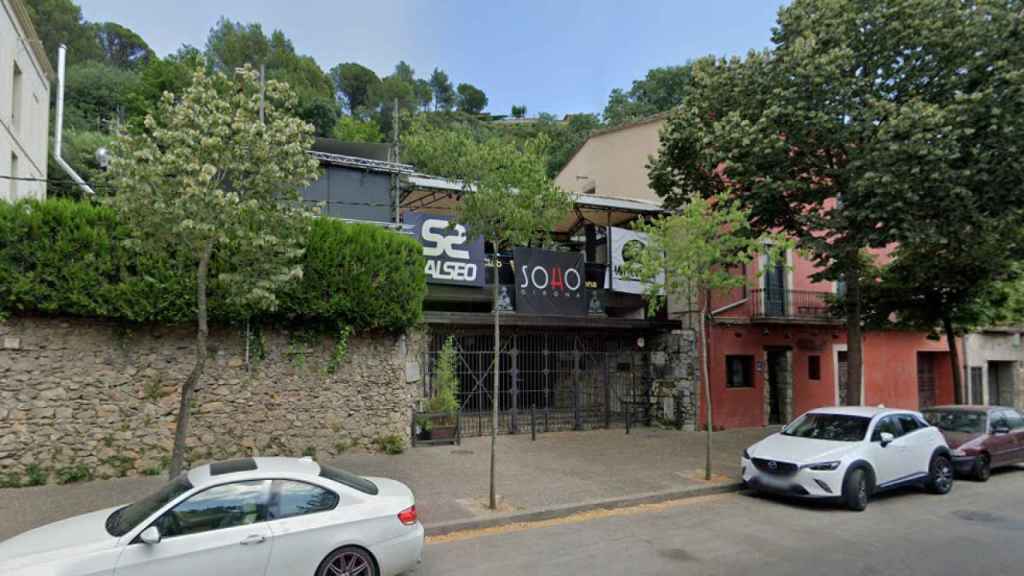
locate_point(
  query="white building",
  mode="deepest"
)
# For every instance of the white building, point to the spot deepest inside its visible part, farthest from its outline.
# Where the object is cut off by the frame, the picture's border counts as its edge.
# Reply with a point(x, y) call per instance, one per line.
point(25, 74)
point(995, 366)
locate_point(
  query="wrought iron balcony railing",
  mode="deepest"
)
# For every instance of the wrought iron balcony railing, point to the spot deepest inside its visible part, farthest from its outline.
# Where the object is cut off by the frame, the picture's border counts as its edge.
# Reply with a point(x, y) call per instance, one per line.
point(791, 305)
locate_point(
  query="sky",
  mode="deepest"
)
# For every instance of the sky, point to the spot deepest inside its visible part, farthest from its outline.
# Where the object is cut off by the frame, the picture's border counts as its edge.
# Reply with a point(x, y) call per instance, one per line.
point(556, 56)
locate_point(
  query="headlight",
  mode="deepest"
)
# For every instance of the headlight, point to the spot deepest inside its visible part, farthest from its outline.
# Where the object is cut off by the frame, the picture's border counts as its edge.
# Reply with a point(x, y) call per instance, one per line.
point(824, 466)
point(746, 454)
point(957, 452)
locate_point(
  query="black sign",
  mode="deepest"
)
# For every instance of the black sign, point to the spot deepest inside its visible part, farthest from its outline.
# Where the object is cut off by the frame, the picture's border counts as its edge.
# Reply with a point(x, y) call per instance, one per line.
point(452, 258)
point(550, 283)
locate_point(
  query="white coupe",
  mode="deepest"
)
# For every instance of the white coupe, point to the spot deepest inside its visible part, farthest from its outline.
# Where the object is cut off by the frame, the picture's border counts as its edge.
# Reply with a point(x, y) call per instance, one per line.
point(267, 516)
point(849, 453)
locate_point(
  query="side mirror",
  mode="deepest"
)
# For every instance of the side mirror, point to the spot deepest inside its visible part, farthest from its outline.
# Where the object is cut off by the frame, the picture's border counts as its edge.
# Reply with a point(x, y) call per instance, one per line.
point(887, 438)
point(150, 535)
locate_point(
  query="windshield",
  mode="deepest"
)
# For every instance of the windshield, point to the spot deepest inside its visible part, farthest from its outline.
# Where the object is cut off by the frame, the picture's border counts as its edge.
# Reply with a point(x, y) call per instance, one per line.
point(124, 519)
point(837, 427)
point(957, 420)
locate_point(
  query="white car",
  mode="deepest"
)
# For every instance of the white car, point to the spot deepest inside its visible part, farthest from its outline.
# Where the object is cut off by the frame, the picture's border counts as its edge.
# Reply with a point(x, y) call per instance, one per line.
point(849, 453)
point(267, 516)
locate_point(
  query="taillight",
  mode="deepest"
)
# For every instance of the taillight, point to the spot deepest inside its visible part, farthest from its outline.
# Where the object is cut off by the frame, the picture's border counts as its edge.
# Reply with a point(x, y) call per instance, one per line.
point(408, 516)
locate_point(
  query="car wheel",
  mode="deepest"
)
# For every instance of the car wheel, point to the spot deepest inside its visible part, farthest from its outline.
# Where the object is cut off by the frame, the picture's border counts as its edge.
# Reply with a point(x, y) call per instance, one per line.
point(940, 475)
point(855, 490)
point(348, 561)
point(983, 468)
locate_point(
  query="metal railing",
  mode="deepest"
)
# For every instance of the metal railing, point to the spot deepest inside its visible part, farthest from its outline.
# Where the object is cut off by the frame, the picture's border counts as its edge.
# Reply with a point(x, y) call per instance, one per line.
point(791, 304)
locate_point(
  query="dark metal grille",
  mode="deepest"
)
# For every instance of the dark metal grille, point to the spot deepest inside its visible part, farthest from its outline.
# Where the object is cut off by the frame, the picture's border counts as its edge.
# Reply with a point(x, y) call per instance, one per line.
point(569, 381)
point(777, 303)
point(779, 468)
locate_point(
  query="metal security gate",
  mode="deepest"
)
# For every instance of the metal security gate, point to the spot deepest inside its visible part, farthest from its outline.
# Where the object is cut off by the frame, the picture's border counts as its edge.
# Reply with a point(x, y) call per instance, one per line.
point(564, 381)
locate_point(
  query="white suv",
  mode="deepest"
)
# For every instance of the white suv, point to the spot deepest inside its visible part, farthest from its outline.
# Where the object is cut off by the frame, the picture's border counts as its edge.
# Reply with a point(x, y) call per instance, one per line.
point(848, 453)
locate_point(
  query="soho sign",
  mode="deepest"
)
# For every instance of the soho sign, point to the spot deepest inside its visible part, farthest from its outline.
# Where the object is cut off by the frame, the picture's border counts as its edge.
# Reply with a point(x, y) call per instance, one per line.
point(452, 257)
point(445, 246)
point(540, 278)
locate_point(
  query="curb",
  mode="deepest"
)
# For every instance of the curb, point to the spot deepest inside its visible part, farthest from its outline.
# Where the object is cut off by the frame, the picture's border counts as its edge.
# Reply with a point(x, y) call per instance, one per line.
point(443, 528)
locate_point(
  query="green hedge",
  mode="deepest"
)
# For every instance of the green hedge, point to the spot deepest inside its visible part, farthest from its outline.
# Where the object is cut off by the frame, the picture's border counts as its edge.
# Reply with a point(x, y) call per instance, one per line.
point(66, 257)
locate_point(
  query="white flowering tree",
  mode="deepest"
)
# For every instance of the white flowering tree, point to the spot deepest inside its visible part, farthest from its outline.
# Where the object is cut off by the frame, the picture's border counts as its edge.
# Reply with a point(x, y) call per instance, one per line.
point(216, 175)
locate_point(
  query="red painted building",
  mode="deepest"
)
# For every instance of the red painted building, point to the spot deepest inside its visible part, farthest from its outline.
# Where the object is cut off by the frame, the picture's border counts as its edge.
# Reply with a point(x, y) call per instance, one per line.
point(775, 352)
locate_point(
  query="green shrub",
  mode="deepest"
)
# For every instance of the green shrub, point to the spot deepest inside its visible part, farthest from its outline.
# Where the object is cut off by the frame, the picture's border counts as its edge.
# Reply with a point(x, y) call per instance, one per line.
point(72, 474)
point(10, 480)
point(37, 476)
point(152, 471)
point(73, 258)
point(362, 275)
point(392, 444)
point(446, 381)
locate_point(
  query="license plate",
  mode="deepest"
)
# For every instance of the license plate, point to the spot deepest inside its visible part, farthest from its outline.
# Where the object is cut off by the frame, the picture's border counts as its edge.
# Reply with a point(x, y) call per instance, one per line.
point(772, 482)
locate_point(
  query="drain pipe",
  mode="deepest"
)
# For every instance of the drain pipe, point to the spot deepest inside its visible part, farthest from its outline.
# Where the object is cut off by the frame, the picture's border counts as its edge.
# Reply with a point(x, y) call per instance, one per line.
point(59, 126)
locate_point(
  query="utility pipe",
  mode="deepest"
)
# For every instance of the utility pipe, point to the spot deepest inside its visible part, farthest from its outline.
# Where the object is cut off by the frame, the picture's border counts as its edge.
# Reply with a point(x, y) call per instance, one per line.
point(59, 126)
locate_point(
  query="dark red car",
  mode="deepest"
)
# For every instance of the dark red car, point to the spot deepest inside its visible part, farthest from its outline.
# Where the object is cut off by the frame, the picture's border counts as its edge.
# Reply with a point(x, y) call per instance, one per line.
point(980, 437)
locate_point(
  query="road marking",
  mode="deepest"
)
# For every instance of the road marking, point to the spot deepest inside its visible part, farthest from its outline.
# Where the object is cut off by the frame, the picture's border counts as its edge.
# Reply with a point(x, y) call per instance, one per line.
point(573, 519)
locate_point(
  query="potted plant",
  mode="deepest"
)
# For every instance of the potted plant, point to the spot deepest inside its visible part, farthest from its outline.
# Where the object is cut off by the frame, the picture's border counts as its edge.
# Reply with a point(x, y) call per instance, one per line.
point(441, 421)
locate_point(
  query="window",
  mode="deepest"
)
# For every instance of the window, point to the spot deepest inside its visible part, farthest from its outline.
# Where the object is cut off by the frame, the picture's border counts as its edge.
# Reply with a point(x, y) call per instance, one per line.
point(16, 97)
point(908, 423)
point(886, 424)
point(1014, 419)
point(290, 498)
point(967, 421)
point(224, 506)
point(998, 420)
point(814, 367)
point(739, 371)
point(348, 479)
point(124, 519)
point(835, 427)
point(14, 177)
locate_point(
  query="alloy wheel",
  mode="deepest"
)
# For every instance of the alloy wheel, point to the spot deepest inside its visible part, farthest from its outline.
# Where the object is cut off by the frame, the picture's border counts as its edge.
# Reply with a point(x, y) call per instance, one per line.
point(943, 476)
point(348, 562)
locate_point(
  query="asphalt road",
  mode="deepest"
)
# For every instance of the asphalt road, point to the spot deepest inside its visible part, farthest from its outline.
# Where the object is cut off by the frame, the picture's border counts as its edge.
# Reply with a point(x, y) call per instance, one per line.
point(976, 529)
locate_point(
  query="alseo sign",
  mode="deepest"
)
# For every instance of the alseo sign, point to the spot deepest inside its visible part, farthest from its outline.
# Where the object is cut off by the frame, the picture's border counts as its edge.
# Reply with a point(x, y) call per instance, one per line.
point(452, 257)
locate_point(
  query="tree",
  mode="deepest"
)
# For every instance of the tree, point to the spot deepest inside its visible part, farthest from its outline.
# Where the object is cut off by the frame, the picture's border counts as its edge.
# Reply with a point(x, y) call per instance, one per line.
point(518, 111)
point(695, 252)
point(234, 44)
point(508, 198)
point(424, 93)
point(207, 176)
point(122, 47)
point(814, 136)
point(405, 73)
point(356, 83)
point(97, 95)
point(444, 94)
point(352, 129)
point(471, 99)
point(385, 94)
point(661, 90)
point(60, 22)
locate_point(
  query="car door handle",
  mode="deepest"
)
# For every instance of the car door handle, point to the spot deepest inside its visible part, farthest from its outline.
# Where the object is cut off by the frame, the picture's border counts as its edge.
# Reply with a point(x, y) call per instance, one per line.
point(253, 539)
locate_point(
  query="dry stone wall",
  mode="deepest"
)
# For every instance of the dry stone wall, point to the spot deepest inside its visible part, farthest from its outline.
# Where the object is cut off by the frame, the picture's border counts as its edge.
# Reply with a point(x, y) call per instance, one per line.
point(103, 397)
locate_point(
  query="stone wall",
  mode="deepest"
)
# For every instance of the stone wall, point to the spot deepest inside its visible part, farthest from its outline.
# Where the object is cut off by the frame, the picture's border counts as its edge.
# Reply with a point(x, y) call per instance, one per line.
point(104, 395)
point(674, 366)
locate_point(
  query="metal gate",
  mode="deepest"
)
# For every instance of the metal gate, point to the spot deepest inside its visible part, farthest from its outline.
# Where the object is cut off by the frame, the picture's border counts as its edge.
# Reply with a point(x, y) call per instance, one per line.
point(563, 380)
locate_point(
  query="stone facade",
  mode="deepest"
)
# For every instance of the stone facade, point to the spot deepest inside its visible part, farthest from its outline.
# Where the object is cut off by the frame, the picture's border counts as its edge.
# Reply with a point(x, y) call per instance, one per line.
point(105, 395)
point(674, 368)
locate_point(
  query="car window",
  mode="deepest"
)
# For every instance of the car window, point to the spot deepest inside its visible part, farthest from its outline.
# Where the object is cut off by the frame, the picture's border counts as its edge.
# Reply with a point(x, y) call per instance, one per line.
point(908, 423)
point(224, 506)
point(290, 498)
point(998, 420)
point(886, 424)
point(124, 519)
point(1014, 419)
point(969, 421)
point(835, 427)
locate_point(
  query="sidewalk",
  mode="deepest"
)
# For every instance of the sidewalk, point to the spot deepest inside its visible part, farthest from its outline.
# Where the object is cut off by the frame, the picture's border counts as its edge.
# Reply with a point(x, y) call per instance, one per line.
point(560, 473)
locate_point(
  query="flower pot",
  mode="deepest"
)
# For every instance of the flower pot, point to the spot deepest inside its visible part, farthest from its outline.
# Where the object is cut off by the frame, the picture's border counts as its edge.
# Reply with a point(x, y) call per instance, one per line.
point(442, 432)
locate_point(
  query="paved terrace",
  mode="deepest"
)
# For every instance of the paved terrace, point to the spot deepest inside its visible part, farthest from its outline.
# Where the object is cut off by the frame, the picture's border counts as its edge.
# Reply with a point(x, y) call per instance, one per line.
point(559, 470)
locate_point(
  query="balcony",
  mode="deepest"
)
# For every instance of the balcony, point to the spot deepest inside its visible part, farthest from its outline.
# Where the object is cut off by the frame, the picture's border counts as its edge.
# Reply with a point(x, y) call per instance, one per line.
point(791, 306)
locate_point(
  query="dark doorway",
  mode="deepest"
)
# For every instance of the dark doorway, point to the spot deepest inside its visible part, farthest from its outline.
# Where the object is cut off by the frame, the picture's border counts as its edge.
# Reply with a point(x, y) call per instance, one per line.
point(977, 383)
point(779, 382)
point(775, 290)
point(925, 379)
point(1000, 383)
point(843, 363)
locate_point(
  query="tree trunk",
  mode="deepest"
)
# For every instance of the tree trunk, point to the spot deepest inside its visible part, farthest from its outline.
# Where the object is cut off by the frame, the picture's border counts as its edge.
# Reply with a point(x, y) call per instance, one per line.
point(854, 343)
point(181, 430)
point(705, 351)
point(954, 360)
point(493, 500)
